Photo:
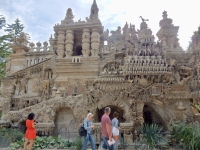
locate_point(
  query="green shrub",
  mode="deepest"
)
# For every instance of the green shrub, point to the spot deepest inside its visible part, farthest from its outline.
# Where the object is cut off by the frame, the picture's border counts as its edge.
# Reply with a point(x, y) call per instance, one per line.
point(153, 136)
point(44, 142)
point(77, 143)
point(187, 136)
point(9, 135)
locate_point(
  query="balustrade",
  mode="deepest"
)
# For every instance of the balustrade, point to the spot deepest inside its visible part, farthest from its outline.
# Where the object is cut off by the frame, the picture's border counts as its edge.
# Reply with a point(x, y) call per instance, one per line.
point(43, 49)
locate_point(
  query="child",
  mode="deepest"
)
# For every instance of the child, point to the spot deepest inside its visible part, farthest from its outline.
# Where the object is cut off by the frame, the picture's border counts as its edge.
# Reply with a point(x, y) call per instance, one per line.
point(30, 134)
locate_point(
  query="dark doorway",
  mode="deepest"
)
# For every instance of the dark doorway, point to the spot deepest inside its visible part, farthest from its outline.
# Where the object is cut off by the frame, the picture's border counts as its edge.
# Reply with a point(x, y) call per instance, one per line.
point(113, 109)
point(148, 117)
point(77, 51)
point(147, 114)
point(151, 116)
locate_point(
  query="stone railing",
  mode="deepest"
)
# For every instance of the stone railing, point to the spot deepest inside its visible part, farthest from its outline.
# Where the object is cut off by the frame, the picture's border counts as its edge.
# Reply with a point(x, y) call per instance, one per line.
point(39, 47)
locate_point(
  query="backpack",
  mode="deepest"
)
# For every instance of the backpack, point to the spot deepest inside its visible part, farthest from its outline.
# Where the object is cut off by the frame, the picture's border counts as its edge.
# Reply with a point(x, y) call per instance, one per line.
point(82, 131)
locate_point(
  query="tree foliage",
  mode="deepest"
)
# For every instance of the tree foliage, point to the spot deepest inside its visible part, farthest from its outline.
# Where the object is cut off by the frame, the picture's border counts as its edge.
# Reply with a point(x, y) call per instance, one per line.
point(2, 21)
point(4, 52)
point(12, 32)
point(4, 49)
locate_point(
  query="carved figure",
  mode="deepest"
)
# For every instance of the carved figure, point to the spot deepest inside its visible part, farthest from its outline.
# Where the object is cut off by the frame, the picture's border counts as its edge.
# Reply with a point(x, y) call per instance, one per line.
point(17, 85)
point(45, 89)
point(23, 88)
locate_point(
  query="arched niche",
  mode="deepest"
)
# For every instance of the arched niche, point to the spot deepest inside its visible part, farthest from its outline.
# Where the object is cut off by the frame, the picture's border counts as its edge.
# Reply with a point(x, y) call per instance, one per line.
point(151, 115)
point(64, 122)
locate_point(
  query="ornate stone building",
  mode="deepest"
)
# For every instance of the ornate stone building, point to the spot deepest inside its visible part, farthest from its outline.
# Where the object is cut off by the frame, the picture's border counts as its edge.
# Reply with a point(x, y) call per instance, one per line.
point(85, 69)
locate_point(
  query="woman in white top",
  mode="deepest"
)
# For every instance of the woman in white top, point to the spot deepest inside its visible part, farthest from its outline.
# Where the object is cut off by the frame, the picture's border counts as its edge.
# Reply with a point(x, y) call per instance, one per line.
point(115, 129)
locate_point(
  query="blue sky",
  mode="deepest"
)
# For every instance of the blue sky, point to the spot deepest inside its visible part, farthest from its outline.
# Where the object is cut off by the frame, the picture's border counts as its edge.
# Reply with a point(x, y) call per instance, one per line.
point(39, 16)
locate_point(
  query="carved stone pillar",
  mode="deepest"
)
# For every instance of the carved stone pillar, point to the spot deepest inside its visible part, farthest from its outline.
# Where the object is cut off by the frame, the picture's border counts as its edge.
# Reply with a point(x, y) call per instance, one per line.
point(86, 42)
point(95, 42)
point(32, 47)
point(60, 49)
point(69, 43)
point(45, 46)
point(38, 46)
point(51, 44)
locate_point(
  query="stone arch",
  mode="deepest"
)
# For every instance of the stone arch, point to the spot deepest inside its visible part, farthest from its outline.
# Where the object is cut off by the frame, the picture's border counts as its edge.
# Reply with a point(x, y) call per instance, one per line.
point(154, 114)
point(65, 122)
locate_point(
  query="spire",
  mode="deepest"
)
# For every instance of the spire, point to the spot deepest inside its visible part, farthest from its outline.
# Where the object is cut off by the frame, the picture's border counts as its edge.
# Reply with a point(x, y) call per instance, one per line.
point(94, 3)
point(94, 11)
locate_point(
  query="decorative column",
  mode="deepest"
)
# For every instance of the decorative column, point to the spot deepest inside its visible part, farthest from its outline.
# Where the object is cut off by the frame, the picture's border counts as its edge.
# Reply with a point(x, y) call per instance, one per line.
point(32, 47)
point(45, 46)
point(38, 46)
point(69, 43)
point(51, 44)
point(60, 49)
point(95, 42)
point(86, 42)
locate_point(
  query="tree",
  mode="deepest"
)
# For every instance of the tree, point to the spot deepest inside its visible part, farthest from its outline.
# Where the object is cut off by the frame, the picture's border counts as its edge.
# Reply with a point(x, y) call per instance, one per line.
point(4, 52)
point(2, 21)
point(14, 30)
point(4, 49)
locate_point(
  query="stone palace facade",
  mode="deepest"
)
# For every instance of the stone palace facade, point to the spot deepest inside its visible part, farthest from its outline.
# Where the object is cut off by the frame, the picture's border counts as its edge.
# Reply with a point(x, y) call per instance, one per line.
point(84, 69)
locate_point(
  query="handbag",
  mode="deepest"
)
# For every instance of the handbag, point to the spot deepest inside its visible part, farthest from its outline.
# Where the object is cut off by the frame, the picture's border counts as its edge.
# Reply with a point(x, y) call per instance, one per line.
point(82, 131)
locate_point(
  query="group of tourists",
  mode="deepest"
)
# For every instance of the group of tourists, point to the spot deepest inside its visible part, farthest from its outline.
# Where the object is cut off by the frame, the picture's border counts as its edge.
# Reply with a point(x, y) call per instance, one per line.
point(109, 130)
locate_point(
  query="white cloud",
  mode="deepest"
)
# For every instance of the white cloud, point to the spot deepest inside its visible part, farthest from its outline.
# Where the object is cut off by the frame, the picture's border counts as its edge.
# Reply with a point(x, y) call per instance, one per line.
point(39, 17)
